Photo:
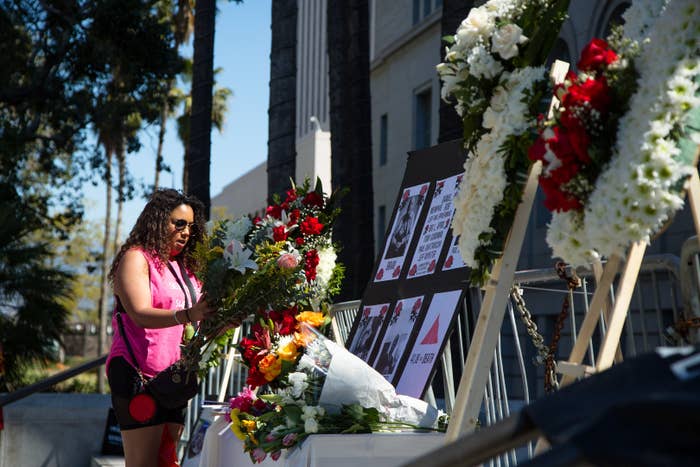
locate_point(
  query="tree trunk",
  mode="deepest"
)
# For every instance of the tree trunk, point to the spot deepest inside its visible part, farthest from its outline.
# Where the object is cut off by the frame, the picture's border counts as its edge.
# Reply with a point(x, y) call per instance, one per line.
point(121, 166)
point(199, 147)
point(104, 269)
point(161, 139)
point(281, 148)
point(453, 12)
point(351, 140)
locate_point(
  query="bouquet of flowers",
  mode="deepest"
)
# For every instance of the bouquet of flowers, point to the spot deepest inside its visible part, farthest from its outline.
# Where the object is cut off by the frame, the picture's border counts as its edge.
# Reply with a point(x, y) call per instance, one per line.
point(617, 152)
point(314, 386)
point(493, 71)
point(286, 258)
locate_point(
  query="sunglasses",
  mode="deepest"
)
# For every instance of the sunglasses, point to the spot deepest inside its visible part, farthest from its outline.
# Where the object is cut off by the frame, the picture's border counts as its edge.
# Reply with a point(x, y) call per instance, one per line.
point(180, 224)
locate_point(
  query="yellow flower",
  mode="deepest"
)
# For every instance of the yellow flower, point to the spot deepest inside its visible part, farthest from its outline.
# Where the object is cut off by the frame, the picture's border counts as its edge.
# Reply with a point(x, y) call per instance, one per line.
point(289, 352)
point(270, 366)
point(312, 318)
point(249, 425)
point(236, 425)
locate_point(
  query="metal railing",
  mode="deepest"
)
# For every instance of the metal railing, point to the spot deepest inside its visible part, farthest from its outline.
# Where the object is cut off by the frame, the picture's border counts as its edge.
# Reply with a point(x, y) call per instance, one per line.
point(666, 289)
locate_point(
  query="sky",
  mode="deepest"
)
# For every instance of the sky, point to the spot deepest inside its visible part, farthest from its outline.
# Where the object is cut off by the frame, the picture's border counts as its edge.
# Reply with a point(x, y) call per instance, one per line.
point(242, 50)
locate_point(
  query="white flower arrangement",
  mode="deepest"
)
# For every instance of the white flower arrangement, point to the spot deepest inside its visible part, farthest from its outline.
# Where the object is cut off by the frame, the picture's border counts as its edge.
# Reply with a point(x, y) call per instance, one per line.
point(640, 189)
point(484, 182)
point(494, 80)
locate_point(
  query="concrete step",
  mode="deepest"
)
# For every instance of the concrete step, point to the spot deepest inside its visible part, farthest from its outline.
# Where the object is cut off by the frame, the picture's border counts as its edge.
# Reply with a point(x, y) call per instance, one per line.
point(107, 461)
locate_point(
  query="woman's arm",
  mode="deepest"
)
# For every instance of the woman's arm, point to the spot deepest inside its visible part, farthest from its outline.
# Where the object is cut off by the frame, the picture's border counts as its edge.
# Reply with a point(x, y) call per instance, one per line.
point(132, 286)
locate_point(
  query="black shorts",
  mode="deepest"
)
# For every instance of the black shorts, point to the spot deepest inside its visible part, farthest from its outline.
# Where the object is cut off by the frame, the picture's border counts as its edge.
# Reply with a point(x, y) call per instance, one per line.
point(123, 381)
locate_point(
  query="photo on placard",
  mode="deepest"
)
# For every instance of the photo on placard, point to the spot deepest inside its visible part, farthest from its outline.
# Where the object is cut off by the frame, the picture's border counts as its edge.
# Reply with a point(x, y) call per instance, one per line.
point(399, 329)
point(368, 329)
point(454, 257)
point(405, 219)
point(434, 229)
point(403, 227)
point(425, 350)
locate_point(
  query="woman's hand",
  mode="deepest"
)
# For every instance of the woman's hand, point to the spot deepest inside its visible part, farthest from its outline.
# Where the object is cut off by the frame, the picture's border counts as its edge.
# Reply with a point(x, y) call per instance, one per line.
point(201, 310)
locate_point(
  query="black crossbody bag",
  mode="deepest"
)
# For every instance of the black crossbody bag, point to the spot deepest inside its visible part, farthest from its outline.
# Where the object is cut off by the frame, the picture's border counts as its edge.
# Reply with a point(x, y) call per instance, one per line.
point(173, 387)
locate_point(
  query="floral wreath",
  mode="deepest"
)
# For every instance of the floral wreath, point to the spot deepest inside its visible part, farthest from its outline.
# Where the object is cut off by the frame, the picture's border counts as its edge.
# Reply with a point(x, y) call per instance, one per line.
point(493, 71)
point(618, 151)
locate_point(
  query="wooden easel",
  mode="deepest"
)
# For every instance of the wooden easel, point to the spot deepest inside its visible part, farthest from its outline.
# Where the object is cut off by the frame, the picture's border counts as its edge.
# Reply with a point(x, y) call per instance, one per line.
point(573, 368)
point(481, 350)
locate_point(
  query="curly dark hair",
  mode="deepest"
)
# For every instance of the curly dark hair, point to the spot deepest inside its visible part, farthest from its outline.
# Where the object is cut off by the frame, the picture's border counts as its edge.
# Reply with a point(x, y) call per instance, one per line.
point(151, 231)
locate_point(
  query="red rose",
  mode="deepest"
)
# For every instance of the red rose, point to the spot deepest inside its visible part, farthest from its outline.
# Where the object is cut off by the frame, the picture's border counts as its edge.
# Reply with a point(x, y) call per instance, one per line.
point(311, 226)
point(537, 150)
point(405, 195)
point(382, 312)
point(595, 92)
point(596, 55)
point(291, 196)
point(313, 199)
point(423, 189)
point(279, 234)
point(396, 271)
point(255, 377)
point(380, 274)
point(294, 217)
point(448, 263)
point(431, 268)
point(399, 306)
point(556, 199)
point(257, 220)
point(275, 211)
point(413, 271)
point(299, 241)
point(310, 263)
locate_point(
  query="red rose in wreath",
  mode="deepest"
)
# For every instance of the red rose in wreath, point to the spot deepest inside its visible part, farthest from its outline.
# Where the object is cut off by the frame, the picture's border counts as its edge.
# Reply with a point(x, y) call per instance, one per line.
point(596, 55)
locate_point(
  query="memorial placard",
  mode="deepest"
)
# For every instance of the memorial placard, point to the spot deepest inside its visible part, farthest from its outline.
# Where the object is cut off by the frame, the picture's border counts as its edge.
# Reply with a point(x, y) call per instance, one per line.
point(425, 352)
point(435, 228)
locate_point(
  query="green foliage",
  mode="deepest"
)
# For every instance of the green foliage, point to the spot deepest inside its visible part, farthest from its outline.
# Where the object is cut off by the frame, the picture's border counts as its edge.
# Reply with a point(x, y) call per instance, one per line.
point(32, 293)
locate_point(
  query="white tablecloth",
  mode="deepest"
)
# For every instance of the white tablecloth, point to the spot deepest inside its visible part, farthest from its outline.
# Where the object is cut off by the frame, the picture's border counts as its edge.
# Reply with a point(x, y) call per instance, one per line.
point(222, 449)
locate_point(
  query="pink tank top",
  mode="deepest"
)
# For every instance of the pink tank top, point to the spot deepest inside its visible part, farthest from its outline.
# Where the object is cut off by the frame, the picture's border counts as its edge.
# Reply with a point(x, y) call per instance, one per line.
point(155, 348)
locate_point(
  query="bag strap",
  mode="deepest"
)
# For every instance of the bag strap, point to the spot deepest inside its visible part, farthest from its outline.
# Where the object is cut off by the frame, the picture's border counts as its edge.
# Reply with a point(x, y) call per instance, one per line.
point(190, 287)
point(120, 310)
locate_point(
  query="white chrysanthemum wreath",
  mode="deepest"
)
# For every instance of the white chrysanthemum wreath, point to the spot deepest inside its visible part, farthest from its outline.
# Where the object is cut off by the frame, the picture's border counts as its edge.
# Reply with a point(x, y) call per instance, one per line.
point(641, 187)
point(493, 73)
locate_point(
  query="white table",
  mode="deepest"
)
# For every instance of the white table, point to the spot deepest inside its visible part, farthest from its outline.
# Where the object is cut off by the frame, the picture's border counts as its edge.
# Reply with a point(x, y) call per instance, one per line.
point(222, 449)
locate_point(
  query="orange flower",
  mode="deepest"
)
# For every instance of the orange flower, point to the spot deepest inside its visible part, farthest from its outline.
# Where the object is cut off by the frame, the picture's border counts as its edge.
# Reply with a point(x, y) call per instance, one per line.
point(312, 318)
point(270, 366)
point(289, 352)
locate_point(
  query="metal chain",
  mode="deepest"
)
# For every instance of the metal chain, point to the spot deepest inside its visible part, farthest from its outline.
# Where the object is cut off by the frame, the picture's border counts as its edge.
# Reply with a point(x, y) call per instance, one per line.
point(516, 294)
point(572, 282)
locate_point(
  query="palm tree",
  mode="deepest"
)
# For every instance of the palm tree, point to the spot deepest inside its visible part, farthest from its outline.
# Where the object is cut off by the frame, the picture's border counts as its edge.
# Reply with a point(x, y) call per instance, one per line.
point(351, 139)
point(281, 144)
point(33, 293)
point(453, 12)
point(183, 25)
point(218, 113)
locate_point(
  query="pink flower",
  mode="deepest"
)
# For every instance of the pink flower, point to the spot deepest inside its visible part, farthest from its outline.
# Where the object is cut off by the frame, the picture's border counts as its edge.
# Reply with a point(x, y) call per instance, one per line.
point(288, 261)
point(289, 439)
point(276, 455)
point(258, 455)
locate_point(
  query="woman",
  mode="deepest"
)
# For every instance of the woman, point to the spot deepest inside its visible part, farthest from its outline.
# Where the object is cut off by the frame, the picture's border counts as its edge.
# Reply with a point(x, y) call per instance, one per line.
point(156, 296)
